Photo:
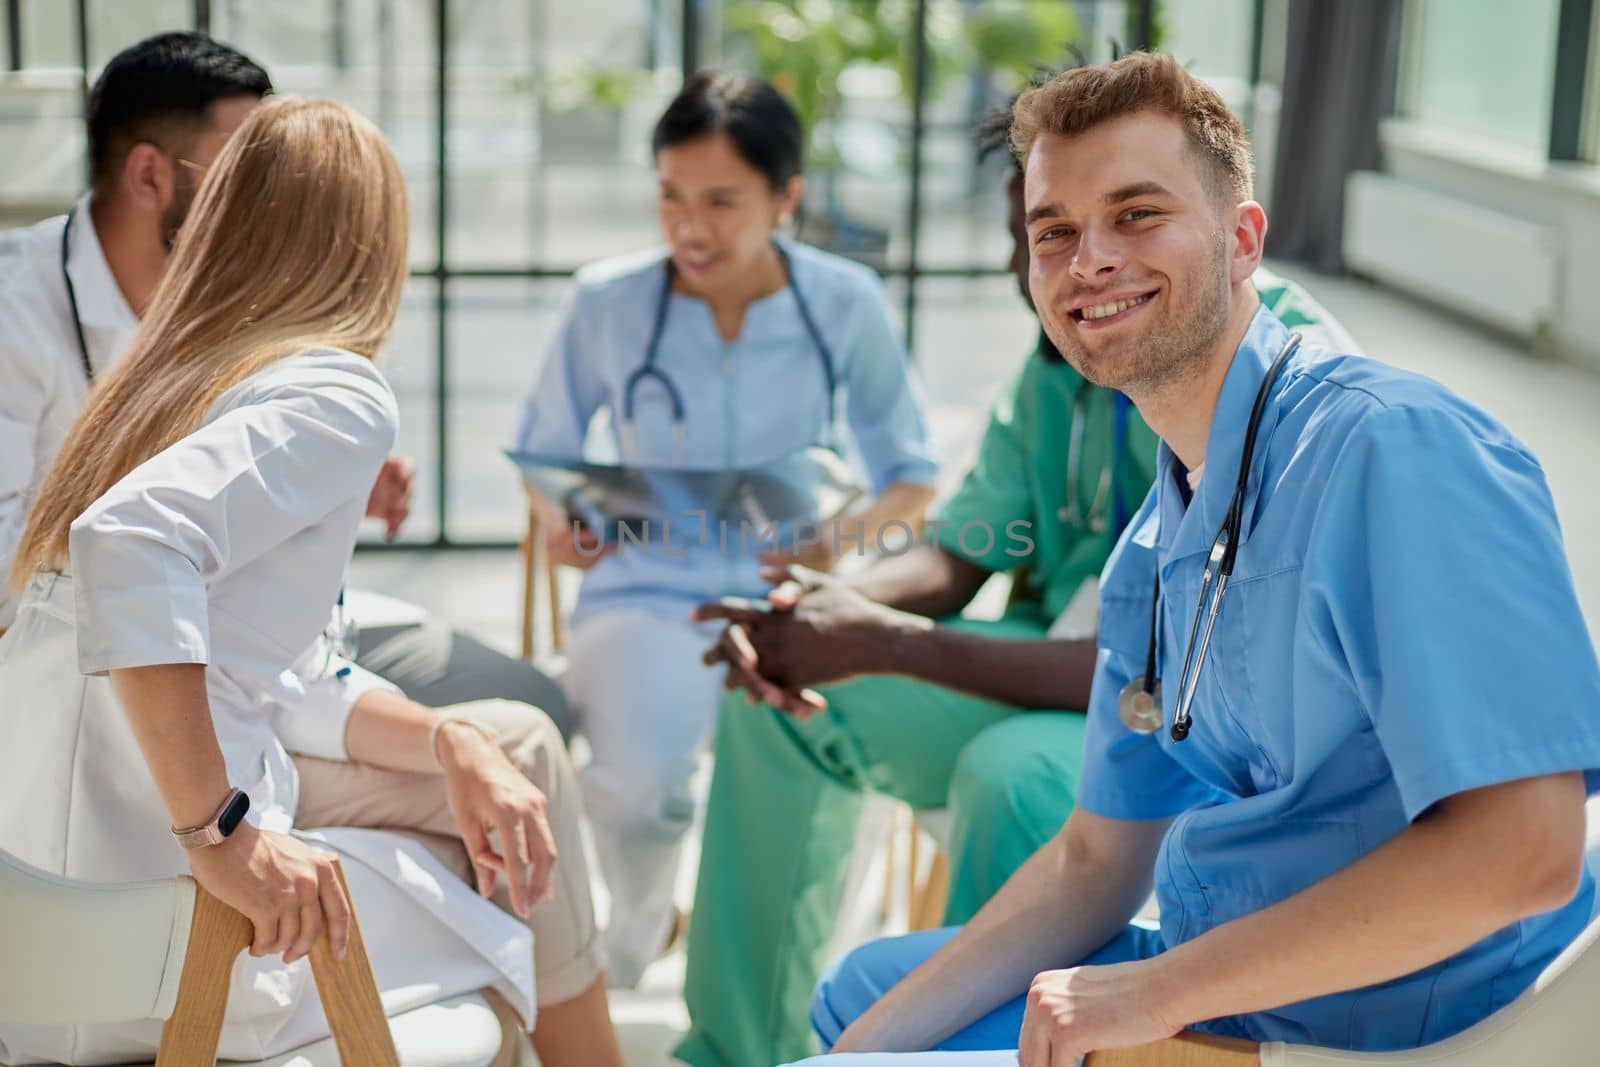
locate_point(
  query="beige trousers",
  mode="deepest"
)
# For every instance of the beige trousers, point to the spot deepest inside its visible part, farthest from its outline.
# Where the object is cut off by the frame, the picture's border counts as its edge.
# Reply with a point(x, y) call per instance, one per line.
point(567, 954)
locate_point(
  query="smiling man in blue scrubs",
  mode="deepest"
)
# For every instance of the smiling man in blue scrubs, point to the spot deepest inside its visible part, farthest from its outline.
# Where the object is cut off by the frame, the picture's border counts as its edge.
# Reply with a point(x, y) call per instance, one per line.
point(1371, 835)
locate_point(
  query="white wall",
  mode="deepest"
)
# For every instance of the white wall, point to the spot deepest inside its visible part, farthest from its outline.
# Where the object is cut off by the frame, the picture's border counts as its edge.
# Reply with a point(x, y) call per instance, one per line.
point(1563, 196)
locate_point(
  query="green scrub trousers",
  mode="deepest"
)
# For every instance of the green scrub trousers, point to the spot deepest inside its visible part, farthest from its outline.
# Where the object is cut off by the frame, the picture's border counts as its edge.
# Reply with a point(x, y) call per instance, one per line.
point(785, 802)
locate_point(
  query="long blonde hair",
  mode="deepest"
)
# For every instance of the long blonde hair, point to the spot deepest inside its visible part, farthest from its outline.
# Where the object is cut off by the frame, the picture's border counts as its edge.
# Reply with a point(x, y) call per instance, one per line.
point(297, 239)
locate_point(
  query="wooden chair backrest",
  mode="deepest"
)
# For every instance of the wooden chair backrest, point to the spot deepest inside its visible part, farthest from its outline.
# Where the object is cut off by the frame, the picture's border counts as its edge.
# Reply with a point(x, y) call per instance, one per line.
point(1188, 1049)
point(348, 990)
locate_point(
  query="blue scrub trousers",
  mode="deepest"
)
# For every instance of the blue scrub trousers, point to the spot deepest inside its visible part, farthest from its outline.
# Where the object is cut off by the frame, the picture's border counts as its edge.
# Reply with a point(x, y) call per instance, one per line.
point(856, 982)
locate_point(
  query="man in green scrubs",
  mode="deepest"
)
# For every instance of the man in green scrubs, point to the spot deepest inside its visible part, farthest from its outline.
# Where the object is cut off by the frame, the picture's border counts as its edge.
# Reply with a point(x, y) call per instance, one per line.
point(982, 717)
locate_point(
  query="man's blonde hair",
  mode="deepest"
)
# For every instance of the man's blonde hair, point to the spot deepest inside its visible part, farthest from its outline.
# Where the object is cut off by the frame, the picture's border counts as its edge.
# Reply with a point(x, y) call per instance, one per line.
point(1084, 97)
point(297, 240)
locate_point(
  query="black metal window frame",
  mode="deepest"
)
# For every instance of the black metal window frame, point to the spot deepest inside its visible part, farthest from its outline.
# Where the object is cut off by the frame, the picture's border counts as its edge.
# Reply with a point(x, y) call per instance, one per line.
point(1141, 22)
point(1575, 36)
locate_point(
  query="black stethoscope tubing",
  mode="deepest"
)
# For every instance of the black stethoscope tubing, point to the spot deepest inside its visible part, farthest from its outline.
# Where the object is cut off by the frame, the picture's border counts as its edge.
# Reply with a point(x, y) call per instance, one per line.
point(72, 295)
point(1219, 568)
point(650, 368)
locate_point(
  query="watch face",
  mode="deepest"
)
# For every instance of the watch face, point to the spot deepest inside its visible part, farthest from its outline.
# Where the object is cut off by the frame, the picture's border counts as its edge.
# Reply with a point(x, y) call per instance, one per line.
point(233, 814)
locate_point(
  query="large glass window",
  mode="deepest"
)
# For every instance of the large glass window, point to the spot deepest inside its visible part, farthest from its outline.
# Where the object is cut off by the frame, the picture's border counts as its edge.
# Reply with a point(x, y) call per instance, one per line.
point(49, 35)
point(1591, 95)
point(1482, 67)
point(114, 24)
point(1211, 39)
point(543, 155)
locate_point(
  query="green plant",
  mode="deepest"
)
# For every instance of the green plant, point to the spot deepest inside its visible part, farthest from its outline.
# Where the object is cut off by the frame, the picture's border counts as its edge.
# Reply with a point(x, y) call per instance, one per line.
point(1019, 39)
point(805, 46)
point(579, 82)
point(802, 46)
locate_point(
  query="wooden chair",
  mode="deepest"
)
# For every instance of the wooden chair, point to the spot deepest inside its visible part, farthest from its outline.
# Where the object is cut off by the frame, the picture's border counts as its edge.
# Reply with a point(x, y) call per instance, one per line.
point(83, 953)
point(926, 892)
point(537, 565)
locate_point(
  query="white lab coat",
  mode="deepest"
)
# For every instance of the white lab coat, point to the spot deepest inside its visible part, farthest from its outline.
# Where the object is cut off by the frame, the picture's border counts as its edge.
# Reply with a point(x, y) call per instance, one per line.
point(226, 549)
point(42, 387)
point(42, 384)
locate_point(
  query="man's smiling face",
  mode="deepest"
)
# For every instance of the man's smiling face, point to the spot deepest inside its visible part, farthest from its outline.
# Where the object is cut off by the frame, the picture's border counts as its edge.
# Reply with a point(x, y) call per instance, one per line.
point(1129, 248)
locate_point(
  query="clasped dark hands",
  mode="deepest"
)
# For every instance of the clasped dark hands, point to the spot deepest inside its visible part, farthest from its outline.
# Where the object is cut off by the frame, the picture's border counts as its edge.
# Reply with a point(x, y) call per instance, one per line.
point(812, 629)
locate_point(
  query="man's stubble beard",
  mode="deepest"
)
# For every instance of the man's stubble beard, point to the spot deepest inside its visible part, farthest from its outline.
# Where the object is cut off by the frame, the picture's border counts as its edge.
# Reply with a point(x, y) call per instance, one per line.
point(172, 219)
point(1170, 352)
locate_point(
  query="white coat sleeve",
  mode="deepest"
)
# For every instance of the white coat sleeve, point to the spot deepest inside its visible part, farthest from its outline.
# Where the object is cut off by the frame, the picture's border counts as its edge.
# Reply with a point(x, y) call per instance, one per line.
point(25, 388)
point(307, 437)
point(319, 692)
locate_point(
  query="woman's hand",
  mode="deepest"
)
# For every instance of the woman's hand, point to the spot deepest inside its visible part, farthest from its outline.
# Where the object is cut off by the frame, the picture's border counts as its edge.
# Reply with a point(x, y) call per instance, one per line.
point(569, 543)
point(488, 795)
point(286, 888)
point(572, 544)
point(390, 499)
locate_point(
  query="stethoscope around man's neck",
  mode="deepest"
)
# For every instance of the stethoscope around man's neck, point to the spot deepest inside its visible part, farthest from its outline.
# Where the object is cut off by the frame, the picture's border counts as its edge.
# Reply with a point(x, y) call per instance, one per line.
point(1139, 703)
point(652, 369)
point(72, 294)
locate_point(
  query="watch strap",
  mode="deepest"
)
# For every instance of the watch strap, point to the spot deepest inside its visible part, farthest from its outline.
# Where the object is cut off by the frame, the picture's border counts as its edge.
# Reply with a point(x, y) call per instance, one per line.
point(219, 827)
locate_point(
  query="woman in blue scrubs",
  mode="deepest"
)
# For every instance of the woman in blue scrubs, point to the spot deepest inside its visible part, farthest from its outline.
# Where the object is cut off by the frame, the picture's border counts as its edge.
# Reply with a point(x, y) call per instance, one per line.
point(731, 347)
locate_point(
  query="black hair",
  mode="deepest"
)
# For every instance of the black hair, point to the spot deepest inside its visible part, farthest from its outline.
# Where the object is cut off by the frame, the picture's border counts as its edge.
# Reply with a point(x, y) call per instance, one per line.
point(993, 132)
point(764, 129)
point(171, 77)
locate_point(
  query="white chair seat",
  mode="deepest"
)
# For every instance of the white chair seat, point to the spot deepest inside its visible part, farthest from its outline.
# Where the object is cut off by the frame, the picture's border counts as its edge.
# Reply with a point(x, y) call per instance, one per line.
point(459, 1032)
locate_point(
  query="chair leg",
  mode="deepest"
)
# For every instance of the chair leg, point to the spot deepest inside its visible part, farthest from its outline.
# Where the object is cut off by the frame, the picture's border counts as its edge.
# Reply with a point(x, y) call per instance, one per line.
point(350, 999)
point(529, 555)
point(552, 588)
point(928, 895)
point(216, 937)
point(1188, 1049)
point(889, 887)
point(348, 990)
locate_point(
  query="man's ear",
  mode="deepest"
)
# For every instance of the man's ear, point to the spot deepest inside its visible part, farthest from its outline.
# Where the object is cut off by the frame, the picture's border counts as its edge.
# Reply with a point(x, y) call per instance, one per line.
point(1249, 238)
point(147, 178)
point(789, 200)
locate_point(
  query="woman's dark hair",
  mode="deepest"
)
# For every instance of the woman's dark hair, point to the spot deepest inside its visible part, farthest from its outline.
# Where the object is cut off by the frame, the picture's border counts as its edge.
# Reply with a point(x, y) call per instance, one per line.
point(764, 129)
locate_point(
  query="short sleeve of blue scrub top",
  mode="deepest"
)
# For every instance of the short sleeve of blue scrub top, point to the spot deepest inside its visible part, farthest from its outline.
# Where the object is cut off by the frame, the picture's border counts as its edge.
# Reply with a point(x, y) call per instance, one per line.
point(1127, 775)
point(1436, 574)
point(568, 391)
point(884, 404)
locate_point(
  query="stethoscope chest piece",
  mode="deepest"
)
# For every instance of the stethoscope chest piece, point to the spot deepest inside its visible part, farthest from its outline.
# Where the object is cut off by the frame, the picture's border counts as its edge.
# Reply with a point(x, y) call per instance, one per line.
point(1139, 705)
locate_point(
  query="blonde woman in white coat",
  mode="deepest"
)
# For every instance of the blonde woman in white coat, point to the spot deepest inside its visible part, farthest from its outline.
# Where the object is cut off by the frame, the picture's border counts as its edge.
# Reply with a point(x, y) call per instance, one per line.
point(185, 550)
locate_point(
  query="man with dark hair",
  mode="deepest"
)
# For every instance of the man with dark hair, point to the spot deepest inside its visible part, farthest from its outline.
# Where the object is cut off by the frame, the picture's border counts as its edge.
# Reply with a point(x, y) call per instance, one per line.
point(72, 289)
point(178, 96)
point(959, 713)
point(1343, 709)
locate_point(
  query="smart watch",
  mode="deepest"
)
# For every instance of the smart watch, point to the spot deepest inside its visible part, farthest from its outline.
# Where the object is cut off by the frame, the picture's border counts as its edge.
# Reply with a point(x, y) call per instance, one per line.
point(217, 829)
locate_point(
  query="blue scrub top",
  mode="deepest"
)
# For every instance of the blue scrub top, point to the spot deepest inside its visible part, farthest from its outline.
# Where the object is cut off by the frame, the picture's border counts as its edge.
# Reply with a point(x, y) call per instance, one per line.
point(1401, 626)
point(757, 398)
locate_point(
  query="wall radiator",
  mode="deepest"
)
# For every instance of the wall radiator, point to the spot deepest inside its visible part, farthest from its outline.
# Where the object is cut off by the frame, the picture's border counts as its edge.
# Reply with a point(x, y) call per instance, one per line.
point(1497, 268)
